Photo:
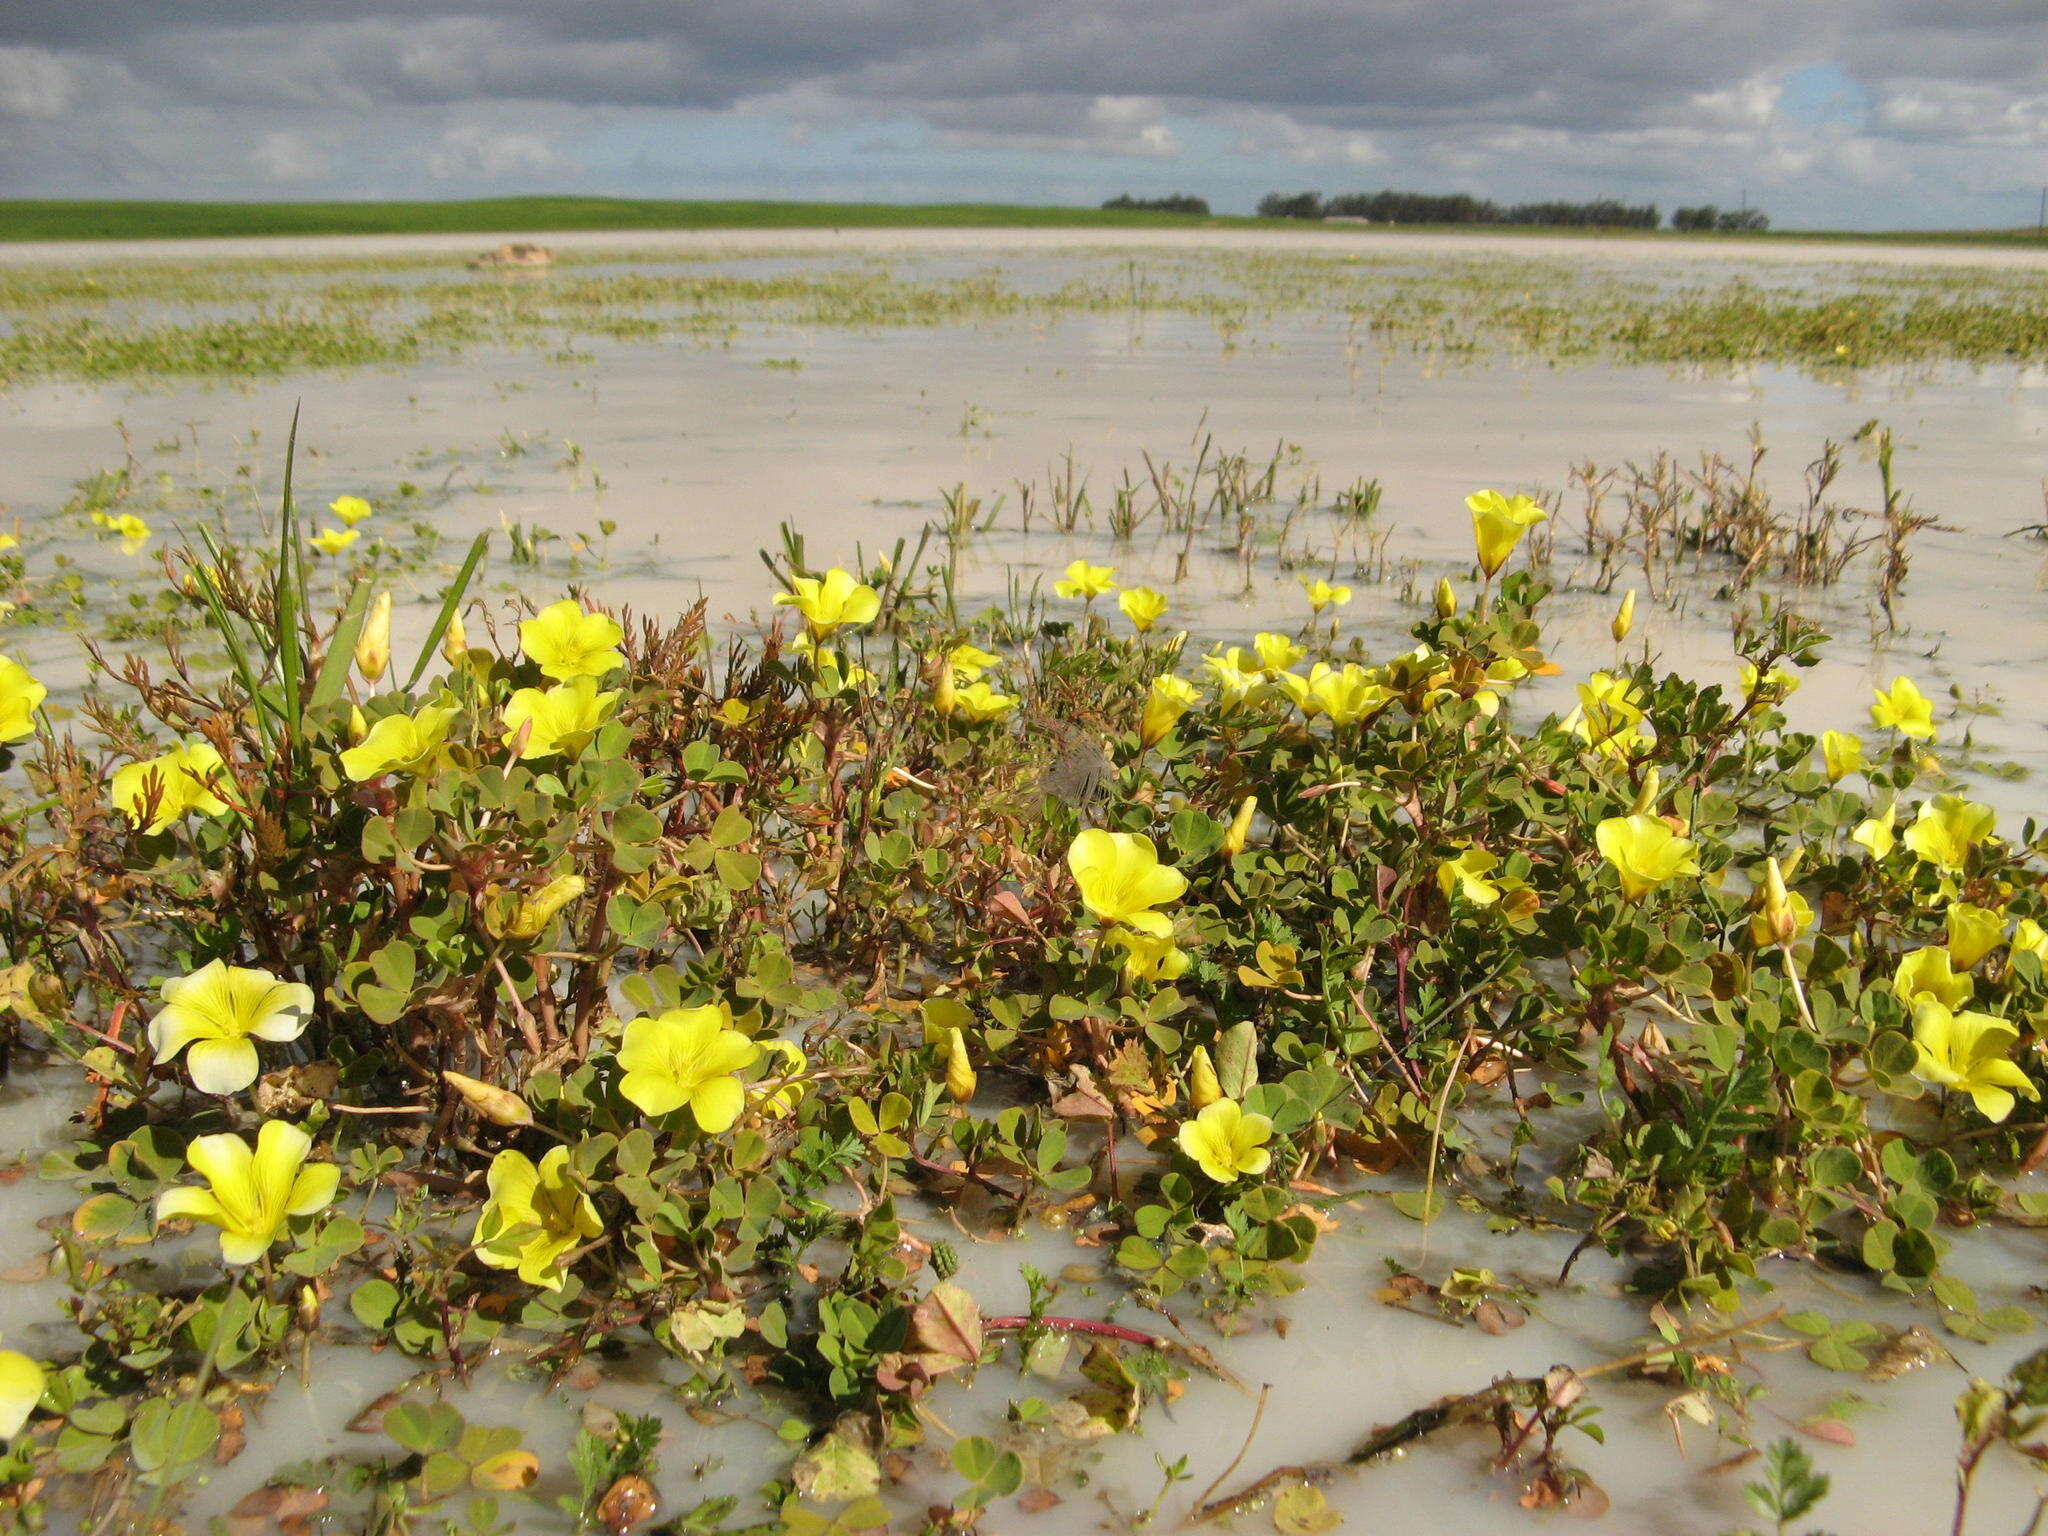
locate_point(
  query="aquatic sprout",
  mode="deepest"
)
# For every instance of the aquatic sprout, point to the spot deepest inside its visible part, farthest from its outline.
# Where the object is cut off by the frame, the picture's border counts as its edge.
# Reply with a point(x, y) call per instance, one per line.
point(1645, 852)
point(828, 603)
point(1905, 709)
point(1967, 1052)
point(687, 1056)
point(1227, 1143)
point(557, 721)
point(566, 643)
point(20, 697)
point(535, 1216)
point(163, 790)
point(1122, 881)
point(1086, 581)
point(216, 1014)
point(250, 1195)
point(1143, 607)
point(399, 744)
point(1498, 523)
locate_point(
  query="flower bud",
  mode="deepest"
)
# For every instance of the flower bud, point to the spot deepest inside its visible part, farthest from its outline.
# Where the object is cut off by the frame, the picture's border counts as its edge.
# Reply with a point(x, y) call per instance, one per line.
point(942, 686)
point(960, 1076)
point(454, 643)
point(1779, 917)
point(497, 1105)
point(534, 912)
point(1240, 827)
point(1446, 597)
point(1203, 1089)
point(373, 645)
point(1646, 797)
point(1624, 617)
point(358, 727)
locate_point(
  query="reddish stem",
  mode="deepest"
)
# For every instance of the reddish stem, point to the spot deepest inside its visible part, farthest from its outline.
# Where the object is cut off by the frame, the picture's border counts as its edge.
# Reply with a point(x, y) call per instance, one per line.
point(1079, 1325)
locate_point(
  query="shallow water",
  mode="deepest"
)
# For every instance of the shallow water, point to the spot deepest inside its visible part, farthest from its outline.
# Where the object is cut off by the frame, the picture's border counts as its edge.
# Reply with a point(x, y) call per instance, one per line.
point(704, 449)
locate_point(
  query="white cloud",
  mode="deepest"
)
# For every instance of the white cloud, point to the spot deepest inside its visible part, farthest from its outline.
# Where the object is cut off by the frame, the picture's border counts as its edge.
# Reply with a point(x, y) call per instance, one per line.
point(34, 83)
point(288, 155)
point(472, 150)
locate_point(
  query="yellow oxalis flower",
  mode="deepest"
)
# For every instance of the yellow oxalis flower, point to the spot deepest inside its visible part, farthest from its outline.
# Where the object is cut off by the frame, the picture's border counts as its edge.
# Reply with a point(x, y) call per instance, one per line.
point(21, 1388)
point(220, 1011)
point(1323, 594)
point(687, 1056)
point(1122, 880)
point(1086, 581)
point(1276, 653)
point(399, 744)
point(1346, 694)
point(132, 530)
point(1169, 698)
point(1768, 687)
point(1878, 834)
point(1466, 876)
point(156, 793)
point(1842, 754)
point(1905, 709)
point(969, 661)
point(20, 697)
point(1150, 957)
point(1645, 852)
point(1973, 932)
point(1226, 1143)
point(565, 642)
point(1968, 1052)
point(558, 721)
point(827, 602)
point(332, 541)
point(1929, 975)
point(1236, 678)
point(534, 1217)
point(1609, 716)
point(1498, 523)
point(978, 703)
point(1142, 606)
point(1947, 828)
point(350, 509)
point(250, 1195)
point(2030, 938)
point(782, 1101)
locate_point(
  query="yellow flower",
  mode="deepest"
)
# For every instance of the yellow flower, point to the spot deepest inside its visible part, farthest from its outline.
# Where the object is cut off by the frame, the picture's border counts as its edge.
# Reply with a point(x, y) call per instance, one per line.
point(1947, 828)
point(828, 602)
point(1142, 606)
point(687, 1056)
point(1347, 695)
point(1767, 687)
point(1121, 879)
point(350, 509)
point(1878, 834)
point(1967, 1052)
point(132, 530)
point(373, 645)
point(1322, 594)
point(1842, 754)
point(1929, 975)
point(158, 792)
point(8, 541)
point(1624, 617)
point(20, 697)
point(567, 643)
point(1973, 932)
point(1235, 677)
point(1240, 829)
point(969, 661)
point(1610, 715)
point(531, 914)
point(250, 1195)
point(1498, 523)
point(1150, 957)
point(1466, 876)
point(1226, 1143)
point(1170, 697)
point(1645, 852)
point(1086, 581)
point(1203, 1089)
point(1276, 653)
point(534, 1217)
point(1903, 708)
point(557, 721)
point(332, 541)
point(220, 1010)
point(781, 1101)
point(2030, 938)
point(978, 703)
point(21, 1388)
point(398, 744)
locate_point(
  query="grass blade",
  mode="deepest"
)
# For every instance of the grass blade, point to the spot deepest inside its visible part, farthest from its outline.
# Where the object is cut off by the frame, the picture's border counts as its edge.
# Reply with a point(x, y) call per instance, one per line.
point(450, 602)
point(287, 589)
point(341, 645)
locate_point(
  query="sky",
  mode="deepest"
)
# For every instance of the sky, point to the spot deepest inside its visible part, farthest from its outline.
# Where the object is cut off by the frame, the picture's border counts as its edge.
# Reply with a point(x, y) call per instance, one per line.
point(1824, 113)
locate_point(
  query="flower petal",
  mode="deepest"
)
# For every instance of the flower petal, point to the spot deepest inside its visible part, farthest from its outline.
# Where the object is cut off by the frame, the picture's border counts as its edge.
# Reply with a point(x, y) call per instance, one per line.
point(221, 1066)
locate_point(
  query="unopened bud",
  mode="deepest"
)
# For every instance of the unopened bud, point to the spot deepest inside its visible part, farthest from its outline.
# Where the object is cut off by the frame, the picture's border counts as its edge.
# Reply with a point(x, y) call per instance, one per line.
point(497, 1105)
point(1646, 797)
point(1240, 827)
point(1624, 617)
point(1446, 597)
point(942, 686)
point(534, 912)
point(454, 643)
point(960, 1076)
point(373, 645)
point(1779, 917)
point(1203, 1089)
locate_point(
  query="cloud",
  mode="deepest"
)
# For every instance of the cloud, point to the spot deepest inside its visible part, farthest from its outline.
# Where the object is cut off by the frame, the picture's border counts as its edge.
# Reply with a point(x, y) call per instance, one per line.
point(1647, 99)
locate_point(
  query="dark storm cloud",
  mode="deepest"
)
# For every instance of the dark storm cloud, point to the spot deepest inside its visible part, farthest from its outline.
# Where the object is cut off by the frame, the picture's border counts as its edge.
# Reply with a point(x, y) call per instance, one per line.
point(331, 93)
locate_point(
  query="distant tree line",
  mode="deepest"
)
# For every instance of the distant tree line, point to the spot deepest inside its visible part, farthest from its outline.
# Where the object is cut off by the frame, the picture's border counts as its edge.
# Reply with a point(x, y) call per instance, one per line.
point(1178, 202)
point(1392, 207)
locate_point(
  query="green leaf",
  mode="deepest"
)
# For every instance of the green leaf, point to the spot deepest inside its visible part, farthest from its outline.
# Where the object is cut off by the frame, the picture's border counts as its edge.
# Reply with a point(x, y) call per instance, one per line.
point(1237, 1055)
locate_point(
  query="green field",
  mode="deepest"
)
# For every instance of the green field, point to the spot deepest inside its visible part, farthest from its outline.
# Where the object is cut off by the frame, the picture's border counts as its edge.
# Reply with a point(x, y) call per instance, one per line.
point(63, 219)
